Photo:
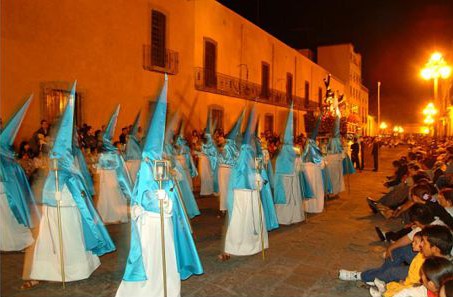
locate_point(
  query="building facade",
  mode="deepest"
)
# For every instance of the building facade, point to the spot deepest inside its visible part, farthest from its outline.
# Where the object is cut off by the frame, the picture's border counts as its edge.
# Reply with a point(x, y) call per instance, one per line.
point(346, 64)
point(118, 52)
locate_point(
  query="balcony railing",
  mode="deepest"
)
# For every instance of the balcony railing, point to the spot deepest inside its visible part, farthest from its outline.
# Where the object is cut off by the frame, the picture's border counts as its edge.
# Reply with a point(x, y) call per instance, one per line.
point(223, 84)
point(170, 65)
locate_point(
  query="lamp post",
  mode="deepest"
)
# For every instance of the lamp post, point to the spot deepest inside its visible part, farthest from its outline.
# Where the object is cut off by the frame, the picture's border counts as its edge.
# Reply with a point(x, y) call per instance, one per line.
point(430, 112)
point(383, 127)
point(434, 69)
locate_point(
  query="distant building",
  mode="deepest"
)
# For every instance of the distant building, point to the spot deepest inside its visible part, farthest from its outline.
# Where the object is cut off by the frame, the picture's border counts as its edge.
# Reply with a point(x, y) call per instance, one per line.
point(118, 52)
point(346, 64)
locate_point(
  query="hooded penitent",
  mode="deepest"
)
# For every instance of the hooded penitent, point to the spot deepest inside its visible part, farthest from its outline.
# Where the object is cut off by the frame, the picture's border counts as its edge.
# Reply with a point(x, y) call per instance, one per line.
point(230, 151)
point(184, 190)
point(18, 193)
point(312, 154)
point(334, 145)
point(79, 158)
point(286, 160)
point(96, 237)
point(133, 150)
point(243, 174)
point(144, 196)
point(111, 159)
point(184, 149)
point(209, 148)
point(266, 192)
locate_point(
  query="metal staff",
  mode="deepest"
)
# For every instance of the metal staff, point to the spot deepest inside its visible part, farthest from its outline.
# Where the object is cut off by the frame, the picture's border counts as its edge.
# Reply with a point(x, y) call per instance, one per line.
point(54, 167)
point(259, 167)
point(161, 174)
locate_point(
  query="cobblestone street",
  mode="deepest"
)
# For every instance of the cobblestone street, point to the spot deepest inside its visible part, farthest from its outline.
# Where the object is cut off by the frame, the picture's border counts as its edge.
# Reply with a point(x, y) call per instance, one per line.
point(302, 260)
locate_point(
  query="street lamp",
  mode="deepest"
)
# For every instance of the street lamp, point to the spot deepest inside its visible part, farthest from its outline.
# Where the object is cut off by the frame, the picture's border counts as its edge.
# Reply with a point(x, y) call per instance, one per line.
point(430, 111)
point(383, 127)
point(434, 69)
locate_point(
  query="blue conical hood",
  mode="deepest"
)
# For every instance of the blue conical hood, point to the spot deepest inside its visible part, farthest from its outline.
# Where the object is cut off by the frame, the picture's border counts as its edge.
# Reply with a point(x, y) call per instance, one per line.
point(236, 127)
point(107, 144)
point(154, 142)
point(315, 131)
point(62, 146)
point(250, 130)
point(134, 129)
point(336, 127)
point(289, 130)
point(208, 129)
point(9, 133)
point(171, 127)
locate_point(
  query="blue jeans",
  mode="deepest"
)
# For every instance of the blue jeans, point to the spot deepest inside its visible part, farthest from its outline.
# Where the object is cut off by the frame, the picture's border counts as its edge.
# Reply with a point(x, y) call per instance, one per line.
point(392, 270)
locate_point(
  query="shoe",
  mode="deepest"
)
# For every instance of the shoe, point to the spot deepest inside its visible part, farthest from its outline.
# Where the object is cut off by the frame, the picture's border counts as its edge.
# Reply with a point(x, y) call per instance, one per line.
point(372, 204)
point(374, 292)
point(348, 275)
point(380, 234)
point(380, 285)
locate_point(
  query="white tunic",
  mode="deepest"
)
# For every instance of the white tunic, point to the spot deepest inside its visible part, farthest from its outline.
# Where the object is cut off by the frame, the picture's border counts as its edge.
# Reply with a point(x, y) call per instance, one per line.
point(335, 168)
point(313, 174)
point(13, 236)
point(148, 224)
point(292, 212)
point(224, 179)
point(78, 263)
point(206, 176)
point(244, 231)
point(111, 203)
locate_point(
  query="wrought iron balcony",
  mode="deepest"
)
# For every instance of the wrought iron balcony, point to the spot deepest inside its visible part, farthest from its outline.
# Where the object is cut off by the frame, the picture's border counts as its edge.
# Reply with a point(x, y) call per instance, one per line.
point(218, 83)
point(169, 63)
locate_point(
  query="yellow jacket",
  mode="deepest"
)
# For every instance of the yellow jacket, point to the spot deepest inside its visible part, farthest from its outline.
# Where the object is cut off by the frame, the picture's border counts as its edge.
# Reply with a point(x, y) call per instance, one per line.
point(413, 277)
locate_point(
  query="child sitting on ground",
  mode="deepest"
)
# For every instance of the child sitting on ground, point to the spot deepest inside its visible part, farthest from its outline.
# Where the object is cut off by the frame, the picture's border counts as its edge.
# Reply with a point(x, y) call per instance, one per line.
point(432, 272)
point(432, 241)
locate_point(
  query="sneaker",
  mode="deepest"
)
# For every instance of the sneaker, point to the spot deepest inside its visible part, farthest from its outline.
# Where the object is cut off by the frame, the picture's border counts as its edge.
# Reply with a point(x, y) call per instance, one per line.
point(372, 204)
point(374, 292)
point(348, 275)
point(380, 285)
point(380, 234)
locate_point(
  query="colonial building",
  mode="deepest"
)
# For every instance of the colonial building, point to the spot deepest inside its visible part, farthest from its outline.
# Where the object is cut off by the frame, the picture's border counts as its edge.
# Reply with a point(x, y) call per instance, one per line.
point(118, 51)
point(346, 64)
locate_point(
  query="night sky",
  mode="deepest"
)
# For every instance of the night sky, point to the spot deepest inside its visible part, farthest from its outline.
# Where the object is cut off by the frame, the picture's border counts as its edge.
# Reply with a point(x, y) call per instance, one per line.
point(395, 38)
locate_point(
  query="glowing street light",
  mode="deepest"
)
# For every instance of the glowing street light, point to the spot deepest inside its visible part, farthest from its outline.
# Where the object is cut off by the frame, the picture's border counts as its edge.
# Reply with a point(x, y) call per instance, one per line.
point(383, 126)
point(434, 69)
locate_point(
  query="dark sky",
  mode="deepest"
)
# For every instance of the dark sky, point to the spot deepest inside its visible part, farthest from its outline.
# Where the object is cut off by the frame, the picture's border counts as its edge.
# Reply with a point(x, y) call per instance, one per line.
point(395, 38)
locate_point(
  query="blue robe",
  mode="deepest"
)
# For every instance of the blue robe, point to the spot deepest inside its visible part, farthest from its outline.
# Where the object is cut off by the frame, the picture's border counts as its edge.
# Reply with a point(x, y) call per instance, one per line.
point(80, 159)
point(18, 193)
point(184, 150)
point(187, 258)
point(210, 150)
point(285, 165)
point(96, 238)
point(112, 160)
point(186, 193)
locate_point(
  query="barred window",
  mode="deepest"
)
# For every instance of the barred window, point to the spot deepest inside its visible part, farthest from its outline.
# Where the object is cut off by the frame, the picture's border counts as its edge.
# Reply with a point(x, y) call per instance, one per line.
point(158, 24)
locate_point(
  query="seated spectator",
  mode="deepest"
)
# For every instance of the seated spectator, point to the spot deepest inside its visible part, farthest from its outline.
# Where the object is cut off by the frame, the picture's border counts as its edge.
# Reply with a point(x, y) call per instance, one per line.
point(398, 254)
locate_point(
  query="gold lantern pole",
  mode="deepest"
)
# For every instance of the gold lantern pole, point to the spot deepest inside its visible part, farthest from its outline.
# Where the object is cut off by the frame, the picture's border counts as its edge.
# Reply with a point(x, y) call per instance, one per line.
point(161, 174)
point(54, 167)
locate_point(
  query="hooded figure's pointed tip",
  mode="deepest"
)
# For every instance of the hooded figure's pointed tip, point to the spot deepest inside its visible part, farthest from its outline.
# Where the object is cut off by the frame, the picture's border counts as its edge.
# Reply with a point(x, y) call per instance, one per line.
point(166, 77)
point(62, 147)
point(8, 134)
point(155, 136)
point(250, 130)
point(289, 129)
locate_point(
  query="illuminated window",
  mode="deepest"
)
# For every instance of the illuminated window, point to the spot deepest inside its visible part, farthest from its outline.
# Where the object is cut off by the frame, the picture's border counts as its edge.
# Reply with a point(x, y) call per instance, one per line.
point(54, 100)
